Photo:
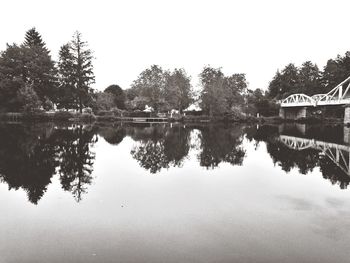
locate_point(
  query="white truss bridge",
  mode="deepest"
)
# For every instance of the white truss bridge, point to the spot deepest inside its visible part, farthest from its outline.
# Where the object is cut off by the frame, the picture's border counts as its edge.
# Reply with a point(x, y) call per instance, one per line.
point(339, 154)
point(337, 96)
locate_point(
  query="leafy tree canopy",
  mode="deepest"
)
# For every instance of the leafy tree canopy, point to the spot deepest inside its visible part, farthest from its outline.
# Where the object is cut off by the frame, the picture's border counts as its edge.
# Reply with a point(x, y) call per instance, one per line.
point(118, 95)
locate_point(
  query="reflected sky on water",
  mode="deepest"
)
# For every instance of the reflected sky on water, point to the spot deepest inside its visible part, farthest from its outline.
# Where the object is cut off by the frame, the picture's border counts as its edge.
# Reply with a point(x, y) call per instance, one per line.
point(174, 193)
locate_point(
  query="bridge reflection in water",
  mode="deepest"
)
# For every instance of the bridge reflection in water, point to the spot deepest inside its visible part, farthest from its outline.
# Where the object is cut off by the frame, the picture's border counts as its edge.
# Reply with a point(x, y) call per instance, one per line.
point(337, 153)
point(307, 147)
point(329, 144)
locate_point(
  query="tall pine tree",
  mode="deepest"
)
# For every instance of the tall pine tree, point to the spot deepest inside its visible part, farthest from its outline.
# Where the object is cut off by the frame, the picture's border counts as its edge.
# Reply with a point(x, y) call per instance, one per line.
point(66, 91)
point(41, 68)
point(33, 39)
point(24, 66)
point(76, 71)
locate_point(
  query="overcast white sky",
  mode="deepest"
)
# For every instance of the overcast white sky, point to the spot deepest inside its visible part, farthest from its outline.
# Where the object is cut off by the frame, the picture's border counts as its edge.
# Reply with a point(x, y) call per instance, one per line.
point(250, 36)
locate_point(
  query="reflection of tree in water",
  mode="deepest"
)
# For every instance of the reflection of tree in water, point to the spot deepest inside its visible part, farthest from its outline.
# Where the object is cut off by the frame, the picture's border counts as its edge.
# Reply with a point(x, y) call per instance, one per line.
point(76, 160)
point(261, 133)
point(113, 135)
point(161, 147)
point(150, 155)
point(333, 173)
point(27, 158)
point(221, 144)
point(164, 146)
point(177, 145)
point(305, 160)
point(30, 154)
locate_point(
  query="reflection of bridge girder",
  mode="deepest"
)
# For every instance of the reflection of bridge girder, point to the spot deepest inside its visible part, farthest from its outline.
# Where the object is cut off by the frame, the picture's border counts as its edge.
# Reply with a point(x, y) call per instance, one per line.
point(296, 143)
point(337, 153)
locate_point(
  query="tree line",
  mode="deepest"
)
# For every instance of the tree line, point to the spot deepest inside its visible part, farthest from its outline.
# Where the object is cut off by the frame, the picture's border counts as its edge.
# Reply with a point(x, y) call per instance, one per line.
point(30, 80)
point(165, 90)
point(308, 78)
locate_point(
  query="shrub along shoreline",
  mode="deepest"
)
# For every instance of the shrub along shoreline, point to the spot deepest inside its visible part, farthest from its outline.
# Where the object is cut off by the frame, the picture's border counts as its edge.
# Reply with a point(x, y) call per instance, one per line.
point(76, 117)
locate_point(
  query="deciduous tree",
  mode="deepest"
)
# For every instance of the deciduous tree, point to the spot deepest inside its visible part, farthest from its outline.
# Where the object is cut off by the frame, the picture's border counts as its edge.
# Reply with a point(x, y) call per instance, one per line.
point(117, 94)
point(178, 90)
point(213, 96)
point(235, 88)
point(151, 84)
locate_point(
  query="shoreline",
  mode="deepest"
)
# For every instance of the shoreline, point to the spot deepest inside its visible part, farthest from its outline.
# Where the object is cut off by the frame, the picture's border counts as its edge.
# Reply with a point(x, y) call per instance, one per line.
point(91, 118)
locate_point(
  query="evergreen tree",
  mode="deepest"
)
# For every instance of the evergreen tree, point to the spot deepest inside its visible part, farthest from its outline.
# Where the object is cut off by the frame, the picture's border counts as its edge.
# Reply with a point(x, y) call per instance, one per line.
point(83, 69)
point(33, 39)
point(285, 82)
point(66, 91)
point(76, 72)
point(41, 70)
point(290, 80)
point(336, 71)
point(274, 88)
point(309, 79)
point(23, 66)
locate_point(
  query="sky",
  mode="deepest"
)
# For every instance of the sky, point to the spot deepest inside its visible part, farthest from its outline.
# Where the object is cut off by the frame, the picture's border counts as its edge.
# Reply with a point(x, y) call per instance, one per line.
point(127, 36)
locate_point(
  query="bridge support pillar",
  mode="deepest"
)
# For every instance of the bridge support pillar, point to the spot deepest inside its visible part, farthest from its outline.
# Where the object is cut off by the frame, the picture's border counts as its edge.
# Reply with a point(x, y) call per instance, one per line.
point(294, 113)
point(281, 128)
point(346, 135)
point(282, 113)
point(347, 114)
point(301, 128)
point(302, 113)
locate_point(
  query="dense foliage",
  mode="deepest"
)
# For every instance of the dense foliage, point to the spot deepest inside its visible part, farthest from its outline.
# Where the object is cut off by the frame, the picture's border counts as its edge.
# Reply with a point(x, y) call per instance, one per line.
point(221, 94)
point(31, 80)
point(308, 79)
point(75, 74)
point(27, 66)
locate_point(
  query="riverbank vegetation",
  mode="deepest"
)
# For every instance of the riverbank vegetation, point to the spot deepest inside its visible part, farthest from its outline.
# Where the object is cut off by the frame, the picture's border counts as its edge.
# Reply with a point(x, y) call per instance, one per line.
point(309, 79)
point(34, 86)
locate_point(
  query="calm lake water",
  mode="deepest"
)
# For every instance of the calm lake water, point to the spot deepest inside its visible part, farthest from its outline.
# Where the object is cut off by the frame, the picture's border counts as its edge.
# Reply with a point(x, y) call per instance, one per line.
point(174, 193)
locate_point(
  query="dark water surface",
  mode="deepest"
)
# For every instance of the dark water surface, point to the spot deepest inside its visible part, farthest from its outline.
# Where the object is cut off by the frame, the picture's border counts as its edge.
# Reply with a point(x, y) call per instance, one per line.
point(174, 193)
